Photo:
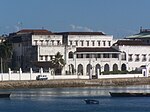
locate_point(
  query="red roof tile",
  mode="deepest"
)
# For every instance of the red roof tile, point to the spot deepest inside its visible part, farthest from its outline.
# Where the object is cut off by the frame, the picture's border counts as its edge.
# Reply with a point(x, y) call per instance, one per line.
point(35, 31)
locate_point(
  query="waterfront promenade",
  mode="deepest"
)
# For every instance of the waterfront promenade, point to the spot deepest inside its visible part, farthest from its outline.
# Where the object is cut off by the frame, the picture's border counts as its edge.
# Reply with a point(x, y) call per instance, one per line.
point(74, 83)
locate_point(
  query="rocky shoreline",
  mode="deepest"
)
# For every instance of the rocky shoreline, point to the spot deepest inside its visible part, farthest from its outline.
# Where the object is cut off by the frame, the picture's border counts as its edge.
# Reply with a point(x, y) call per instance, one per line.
point(74, 83)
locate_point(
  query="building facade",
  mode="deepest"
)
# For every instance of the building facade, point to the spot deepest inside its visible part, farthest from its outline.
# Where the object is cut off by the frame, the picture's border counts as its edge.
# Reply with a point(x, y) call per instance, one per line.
point(85, 53)
point(90, 53)
point(134, 54)
point(32, 46)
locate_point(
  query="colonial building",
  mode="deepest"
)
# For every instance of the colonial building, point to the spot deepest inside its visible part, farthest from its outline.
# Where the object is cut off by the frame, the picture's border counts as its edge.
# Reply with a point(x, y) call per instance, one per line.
point(32, 46)
point(134, 54)
point(85, 53)
point(90, 53)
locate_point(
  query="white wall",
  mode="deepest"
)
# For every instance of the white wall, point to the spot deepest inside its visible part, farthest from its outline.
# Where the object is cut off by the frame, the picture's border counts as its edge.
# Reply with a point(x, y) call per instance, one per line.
point(47, 51)
point(132, 65)
point(120, 76)
point(46, 39)
point(90, 38)
point(28, 76)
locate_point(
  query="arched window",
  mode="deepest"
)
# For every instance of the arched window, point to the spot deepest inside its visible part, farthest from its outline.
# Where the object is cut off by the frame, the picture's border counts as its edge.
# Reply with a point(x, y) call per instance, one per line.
point(88, 69)
point(106, 68)
point(115, 67)
point(123, 67)
point(97, 69)
point(71, 54)
point(80, 69)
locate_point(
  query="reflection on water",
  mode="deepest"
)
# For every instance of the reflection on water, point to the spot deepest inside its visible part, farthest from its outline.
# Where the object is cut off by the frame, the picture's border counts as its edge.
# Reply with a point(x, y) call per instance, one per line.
point(72, 100)
point(75, 92)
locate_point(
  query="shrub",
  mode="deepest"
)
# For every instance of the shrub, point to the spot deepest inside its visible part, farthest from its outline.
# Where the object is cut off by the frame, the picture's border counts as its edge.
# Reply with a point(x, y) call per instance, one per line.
point(114, 72)
point(121, 72)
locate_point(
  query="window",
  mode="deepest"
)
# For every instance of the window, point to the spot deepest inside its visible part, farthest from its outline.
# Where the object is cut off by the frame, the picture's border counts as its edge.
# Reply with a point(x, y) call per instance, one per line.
point(46, 58)
point(98, 42)
point(130, 57)
point(109, 43)
point(144, 57)
point(41, 42)
point(79, 55)
point(70, 54)
point(52, 41)
point(76, 43)
point(114, 55)
point(87, 55)
point(70, 42)
point(106, 55)
point(82, 43)
point(123, 56)
point(41, 57)
point(104, 43)
point(87, 43)
point(98, 55)
point(47, 41)
point(137, 57)
point(58, 42)
point(51, 57)
point(93, 43)
point(35, 41)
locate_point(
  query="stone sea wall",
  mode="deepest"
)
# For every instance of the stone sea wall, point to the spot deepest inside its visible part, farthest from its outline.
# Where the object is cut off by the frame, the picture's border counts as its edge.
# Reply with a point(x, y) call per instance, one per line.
point(74, 83)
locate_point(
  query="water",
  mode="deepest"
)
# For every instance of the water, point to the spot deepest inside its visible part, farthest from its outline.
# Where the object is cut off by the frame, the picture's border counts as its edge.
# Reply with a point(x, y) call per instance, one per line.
point(71, 100)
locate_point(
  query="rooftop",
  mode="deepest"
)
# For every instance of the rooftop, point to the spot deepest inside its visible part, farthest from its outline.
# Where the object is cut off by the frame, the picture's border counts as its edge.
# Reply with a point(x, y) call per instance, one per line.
point(144, 33)
point(35, 31)
point(98, 49)
point(80, 33)
point(129, 43)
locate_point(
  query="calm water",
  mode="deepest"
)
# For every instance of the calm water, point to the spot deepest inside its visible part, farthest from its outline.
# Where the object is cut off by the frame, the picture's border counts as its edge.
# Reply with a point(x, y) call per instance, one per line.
point(71, 100)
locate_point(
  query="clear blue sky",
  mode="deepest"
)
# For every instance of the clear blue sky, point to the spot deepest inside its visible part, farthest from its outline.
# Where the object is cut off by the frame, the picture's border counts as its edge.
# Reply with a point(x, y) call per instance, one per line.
point(114, 17)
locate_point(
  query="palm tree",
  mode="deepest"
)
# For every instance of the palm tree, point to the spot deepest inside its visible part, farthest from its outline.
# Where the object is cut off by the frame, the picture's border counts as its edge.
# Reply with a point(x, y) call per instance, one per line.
point(58, 63)
point(5, 54)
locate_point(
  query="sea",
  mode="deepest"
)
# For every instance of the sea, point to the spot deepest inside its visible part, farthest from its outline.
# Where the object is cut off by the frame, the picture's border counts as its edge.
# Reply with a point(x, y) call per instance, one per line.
point(72, 100)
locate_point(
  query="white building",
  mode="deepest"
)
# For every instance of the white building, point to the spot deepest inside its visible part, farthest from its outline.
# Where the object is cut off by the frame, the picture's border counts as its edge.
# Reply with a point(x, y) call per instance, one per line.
point(134, 54)
point(85, 53)
point(90, 53)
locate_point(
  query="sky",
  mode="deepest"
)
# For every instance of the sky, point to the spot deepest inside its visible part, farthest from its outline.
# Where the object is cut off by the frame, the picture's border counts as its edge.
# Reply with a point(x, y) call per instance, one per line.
point(119, 18)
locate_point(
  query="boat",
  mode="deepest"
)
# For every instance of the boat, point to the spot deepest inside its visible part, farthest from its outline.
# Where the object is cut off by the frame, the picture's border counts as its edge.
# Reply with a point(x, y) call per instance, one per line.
point(129, 94)
point(91, 101)
point(4, 95)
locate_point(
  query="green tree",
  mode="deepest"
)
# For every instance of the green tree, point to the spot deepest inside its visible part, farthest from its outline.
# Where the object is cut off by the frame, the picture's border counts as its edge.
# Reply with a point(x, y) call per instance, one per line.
point(58, 63)
point(5, 55)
